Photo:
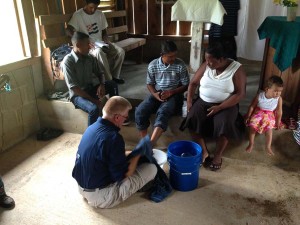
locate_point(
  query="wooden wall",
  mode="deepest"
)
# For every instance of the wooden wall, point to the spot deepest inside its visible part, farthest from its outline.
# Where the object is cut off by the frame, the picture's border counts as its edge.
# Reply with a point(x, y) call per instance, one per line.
point(153, 21)
point(290, 77)
point(158, 16)
point(155, 25)
point(49, 7)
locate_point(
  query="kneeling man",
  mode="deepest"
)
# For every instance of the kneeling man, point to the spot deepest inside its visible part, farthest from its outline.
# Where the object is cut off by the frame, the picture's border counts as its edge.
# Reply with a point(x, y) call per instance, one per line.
point(104, 176)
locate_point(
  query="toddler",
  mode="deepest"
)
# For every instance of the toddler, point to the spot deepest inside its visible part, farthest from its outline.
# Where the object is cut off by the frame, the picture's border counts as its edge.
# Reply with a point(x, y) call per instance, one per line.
point(265, 113)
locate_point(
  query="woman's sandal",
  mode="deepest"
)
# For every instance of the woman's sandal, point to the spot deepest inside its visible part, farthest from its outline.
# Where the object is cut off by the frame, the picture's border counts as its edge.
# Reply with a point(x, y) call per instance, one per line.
point(215, 166)
point(207, 162)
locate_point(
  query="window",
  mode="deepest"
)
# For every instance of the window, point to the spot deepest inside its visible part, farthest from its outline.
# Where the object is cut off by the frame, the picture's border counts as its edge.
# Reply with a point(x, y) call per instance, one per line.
point(12, 46)
point(107, 5)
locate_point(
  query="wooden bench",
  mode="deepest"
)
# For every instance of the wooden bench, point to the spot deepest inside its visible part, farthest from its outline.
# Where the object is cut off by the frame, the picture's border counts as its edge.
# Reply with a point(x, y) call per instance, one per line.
point(117, 31)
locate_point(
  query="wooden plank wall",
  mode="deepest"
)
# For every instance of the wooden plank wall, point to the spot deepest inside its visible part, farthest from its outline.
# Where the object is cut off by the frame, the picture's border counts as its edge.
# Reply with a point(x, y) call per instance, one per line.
point(140, 16)
point(290, 77)
point(128, 8)
point(159, 19)
point(154, 23)
point(49, 7)
point(169, 27)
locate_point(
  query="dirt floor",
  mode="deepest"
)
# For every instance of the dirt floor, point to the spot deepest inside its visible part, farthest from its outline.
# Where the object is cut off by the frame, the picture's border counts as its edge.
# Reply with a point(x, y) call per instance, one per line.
point(250, 189)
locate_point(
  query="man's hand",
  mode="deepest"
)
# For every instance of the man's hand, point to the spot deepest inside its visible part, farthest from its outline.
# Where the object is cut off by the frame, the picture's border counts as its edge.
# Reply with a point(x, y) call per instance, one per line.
point(101, 91)
point(157, 96)
point(92, 45)
point(132, 165)
point(164, 95)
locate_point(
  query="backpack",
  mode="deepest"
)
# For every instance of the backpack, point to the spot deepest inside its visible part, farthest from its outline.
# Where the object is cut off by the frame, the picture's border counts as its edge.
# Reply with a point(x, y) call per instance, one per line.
point(56, 57)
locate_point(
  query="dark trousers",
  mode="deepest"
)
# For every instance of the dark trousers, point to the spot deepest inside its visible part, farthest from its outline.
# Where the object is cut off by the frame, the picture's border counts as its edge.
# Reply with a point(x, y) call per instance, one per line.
point(163, 110)
point(89, 107)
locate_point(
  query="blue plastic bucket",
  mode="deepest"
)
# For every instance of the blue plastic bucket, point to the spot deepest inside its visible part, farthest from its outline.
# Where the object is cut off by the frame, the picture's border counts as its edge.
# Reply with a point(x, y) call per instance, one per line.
point(184, 158)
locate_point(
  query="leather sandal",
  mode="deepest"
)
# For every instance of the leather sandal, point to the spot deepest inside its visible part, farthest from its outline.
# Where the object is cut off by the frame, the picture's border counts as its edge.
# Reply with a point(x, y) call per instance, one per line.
point(215, 166)
point(207, 162)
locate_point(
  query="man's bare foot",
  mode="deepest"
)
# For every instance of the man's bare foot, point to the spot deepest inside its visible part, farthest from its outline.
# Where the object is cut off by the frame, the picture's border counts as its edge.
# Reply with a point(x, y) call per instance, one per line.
point(270, 152)
point(249, 148)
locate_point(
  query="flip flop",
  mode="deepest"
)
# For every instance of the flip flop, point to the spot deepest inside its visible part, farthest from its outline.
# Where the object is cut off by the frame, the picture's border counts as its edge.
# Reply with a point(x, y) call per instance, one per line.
point(207, 162)
point(215, 166)
point(292, 124)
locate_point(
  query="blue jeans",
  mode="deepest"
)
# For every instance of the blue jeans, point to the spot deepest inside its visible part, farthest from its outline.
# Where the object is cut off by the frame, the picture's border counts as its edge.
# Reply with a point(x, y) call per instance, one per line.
point(92, 109)
point(163, 110)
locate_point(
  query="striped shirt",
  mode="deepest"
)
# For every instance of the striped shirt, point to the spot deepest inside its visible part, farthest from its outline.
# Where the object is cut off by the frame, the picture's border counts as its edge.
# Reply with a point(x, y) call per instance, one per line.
point(167, 77)
point(229, 27)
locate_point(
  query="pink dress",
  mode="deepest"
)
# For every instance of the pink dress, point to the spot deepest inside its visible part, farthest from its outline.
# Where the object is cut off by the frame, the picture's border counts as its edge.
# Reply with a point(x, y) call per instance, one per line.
point(263, 117)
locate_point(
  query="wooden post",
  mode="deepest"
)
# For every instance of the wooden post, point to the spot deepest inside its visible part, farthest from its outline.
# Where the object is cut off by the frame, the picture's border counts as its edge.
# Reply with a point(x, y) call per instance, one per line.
point(196, 42)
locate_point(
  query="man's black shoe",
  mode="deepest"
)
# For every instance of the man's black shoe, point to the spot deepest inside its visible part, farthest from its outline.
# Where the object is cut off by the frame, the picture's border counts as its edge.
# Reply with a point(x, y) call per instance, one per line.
point(7, 202)
point(119, 80)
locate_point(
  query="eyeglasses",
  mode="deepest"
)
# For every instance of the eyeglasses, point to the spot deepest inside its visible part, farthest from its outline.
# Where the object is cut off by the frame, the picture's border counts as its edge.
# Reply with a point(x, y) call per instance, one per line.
point(125, 117)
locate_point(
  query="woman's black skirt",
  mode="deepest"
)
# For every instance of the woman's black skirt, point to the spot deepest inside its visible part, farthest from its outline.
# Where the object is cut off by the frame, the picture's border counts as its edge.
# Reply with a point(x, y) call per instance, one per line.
point(227, 122)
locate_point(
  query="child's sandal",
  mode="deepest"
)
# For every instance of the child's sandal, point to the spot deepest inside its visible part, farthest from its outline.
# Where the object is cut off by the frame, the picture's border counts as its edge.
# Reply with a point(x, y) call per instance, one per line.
point(292, 124)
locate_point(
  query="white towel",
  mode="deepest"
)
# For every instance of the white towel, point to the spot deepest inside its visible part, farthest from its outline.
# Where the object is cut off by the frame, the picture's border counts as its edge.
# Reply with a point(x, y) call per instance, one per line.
point(198, 10)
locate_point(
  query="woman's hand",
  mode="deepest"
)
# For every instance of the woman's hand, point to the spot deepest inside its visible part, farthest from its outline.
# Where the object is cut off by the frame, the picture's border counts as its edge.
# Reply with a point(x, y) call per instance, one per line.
point(213, 110)
point(188, 105)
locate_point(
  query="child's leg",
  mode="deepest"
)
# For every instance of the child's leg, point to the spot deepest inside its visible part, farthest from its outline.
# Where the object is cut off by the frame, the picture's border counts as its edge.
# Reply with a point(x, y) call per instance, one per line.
point(269, 141)
point(252, 133)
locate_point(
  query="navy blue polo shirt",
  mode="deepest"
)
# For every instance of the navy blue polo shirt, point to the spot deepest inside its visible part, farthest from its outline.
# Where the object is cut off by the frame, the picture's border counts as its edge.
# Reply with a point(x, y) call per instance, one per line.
point(100, 159)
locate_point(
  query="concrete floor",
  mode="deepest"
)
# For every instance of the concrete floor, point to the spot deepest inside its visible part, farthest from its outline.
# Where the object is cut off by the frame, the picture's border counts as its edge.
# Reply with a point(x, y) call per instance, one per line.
point(250, 189)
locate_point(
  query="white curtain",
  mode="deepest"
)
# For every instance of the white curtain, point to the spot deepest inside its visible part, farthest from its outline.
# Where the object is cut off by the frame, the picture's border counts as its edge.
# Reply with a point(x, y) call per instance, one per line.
point(251, 16)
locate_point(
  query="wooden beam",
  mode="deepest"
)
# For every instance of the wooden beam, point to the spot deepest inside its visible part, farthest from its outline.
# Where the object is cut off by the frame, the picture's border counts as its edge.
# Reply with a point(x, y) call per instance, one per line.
point(40, 8)
point(30, 27)
point(140, 16)
point(116, 30)
point(69, 6)
point(114, 14)
point(55, 42)
point(54, 19)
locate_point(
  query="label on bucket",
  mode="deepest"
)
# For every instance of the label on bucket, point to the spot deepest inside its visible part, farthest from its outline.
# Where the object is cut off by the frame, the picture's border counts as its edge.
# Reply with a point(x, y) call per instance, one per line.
point(186, 173)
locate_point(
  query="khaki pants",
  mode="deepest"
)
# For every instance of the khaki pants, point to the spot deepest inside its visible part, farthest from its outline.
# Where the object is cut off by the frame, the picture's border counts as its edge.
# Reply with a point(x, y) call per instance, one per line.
point(118, 192)
point(111, 59)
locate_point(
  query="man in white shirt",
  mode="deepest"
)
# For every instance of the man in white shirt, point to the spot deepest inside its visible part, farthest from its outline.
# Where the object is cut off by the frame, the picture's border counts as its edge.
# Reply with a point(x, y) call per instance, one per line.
point(92, 22)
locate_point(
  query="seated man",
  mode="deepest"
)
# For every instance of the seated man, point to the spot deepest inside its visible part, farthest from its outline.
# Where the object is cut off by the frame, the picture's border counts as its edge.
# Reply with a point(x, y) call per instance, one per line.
point(104, 175)
point(80, 68)
point(5, 201)
point(91, 21)
point(167, 79)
